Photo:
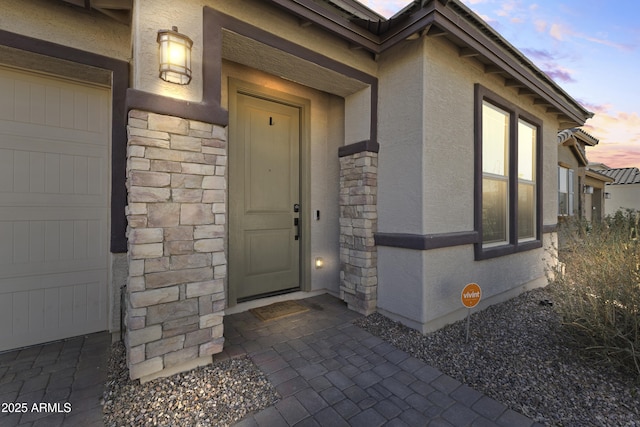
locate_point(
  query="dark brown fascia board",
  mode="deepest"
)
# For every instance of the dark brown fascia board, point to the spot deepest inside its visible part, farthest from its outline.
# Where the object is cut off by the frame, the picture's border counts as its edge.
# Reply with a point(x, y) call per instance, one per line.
point(309, 11)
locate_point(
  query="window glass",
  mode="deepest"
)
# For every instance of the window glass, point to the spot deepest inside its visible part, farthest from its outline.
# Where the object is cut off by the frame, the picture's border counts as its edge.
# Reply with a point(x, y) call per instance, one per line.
point(495, 202)
point(495, 139)
point(526, 151)
point(565, 191)
point(508, 192)
point(570, 192)
point(526, 211)
point(562, 179)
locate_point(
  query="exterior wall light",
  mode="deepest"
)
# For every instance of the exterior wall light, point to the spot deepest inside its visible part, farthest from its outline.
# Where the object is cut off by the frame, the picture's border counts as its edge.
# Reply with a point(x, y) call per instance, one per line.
point(607, 195)
point(175, 56)
point(319, 262)
point(588, 189)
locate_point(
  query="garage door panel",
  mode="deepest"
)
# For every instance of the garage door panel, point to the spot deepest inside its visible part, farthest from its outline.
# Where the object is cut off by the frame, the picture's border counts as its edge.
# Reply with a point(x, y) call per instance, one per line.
point(42, 172)
point(61, 306)
point(42, 132)
point(50, 246)
point(30, 98)
point(54, 207)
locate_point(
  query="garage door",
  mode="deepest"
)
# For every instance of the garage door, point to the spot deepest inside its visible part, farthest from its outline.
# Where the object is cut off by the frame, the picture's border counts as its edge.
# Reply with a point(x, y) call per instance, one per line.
point(54, 182)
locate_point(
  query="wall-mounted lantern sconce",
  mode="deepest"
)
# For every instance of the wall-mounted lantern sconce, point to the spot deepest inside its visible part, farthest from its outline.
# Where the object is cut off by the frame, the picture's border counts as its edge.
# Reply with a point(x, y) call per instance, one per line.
point(319, 262)
point(607, 195)
point(175, 56)
point(588, 189)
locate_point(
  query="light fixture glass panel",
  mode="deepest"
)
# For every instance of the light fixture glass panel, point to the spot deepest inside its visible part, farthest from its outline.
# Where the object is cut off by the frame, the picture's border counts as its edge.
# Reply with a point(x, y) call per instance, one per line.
point(175, 56)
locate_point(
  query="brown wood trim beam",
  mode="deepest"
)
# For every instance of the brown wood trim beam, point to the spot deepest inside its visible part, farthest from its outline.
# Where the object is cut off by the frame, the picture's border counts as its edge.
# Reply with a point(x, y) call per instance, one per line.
point(426, 241)
point(359, 147)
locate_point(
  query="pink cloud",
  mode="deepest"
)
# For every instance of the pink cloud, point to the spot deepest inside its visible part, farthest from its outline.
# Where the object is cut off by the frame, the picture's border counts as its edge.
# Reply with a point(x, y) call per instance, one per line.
point(547, 62)
point(540, 25)
point(619, 135)
point(559, 74)
point(386, 8)
point(558, 32)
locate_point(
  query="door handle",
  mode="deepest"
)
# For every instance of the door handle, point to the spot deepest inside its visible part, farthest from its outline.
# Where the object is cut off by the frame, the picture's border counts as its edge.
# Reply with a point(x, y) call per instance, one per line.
point(296, 207)
point(296, 223)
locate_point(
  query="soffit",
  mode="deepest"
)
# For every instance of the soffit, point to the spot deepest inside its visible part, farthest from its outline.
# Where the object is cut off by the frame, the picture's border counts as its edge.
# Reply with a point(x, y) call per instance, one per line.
point(252, 53)
point(120, 10)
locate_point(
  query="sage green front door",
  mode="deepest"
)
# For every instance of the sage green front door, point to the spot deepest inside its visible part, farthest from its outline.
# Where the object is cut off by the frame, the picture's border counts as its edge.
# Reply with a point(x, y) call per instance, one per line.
point(264, 194)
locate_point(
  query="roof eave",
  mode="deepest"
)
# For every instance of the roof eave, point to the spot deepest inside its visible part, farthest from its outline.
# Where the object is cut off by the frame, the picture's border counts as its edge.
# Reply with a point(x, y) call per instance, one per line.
point(596, 175)
point(453, 20)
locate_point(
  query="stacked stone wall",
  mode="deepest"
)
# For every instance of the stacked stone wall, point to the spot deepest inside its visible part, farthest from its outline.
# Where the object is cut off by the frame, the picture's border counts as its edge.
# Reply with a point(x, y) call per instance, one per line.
point(358, 223)
point(176, 216)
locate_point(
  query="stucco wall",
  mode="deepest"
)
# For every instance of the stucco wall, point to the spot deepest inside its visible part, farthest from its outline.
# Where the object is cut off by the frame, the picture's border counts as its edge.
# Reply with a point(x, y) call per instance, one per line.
point(326, 135)
point(60, 23)
point(400, 134)
point(427, 184)
point(623, 196)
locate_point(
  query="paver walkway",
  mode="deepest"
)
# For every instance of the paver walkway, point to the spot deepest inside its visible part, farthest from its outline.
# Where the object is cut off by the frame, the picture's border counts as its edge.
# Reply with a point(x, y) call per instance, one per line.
point(67, 375)
point(329, 372)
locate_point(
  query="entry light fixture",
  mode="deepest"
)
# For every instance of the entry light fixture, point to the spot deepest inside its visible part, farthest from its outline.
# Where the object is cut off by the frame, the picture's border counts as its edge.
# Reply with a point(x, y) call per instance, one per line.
point(319, 262)
point(175, 56)
point(607, 195)
point(588, 189)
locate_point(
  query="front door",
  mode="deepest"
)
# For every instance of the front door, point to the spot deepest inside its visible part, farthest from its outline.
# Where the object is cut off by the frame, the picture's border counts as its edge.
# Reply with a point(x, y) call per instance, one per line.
point(264, 197)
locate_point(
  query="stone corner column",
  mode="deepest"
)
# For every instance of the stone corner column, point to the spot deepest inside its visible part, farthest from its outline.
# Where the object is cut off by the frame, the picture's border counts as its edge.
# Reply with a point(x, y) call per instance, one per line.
point(176, 215)
point(358, 223)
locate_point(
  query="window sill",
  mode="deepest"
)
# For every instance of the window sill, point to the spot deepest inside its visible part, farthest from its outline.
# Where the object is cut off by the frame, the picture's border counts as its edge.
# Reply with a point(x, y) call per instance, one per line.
point(498, 251)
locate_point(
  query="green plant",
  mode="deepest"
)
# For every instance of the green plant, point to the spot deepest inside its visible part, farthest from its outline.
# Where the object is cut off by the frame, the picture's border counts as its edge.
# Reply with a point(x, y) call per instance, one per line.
point(598, 292)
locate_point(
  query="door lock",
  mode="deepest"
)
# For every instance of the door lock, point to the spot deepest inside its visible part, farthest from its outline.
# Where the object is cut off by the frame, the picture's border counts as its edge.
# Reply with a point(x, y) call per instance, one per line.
point(296, 207)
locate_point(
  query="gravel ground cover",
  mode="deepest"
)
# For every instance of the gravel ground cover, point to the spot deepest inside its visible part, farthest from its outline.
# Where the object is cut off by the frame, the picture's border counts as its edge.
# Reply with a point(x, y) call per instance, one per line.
point(216, 395)
point(518, 354)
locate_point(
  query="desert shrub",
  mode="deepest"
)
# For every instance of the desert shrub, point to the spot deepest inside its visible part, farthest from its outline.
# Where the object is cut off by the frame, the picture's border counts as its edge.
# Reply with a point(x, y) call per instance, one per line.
point(598, 288)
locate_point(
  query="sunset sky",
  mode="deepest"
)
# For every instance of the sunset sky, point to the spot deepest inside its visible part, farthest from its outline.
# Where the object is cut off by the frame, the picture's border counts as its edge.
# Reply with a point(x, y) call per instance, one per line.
point(591, 48)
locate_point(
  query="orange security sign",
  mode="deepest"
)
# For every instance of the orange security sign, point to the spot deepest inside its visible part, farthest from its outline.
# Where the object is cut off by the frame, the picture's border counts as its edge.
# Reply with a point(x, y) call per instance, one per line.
point(471, 295)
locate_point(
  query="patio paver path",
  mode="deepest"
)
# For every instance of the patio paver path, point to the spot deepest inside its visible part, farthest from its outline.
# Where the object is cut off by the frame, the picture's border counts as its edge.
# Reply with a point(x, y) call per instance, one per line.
point(64, 379)
point(329, 372)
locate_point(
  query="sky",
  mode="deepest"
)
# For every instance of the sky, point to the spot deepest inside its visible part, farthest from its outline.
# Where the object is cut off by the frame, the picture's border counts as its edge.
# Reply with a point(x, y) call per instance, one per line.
point(590, 48)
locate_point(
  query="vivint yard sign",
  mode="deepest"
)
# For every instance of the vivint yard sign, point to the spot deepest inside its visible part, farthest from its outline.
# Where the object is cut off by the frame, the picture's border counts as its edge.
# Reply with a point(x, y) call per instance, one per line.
point(470, 297)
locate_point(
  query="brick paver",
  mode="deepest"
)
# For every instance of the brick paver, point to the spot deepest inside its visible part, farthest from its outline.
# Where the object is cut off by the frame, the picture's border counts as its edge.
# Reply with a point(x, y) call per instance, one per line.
point(64, 379)
point(329, 372)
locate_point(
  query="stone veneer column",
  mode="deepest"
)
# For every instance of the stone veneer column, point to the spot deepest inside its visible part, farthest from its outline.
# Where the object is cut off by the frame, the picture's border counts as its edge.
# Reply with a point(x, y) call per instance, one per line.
point(358, 223)
point(176, 211)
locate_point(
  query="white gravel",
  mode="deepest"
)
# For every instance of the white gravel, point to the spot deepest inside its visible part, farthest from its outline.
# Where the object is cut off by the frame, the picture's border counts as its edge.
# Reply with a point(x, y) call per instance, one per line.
point(216, 395)
point(519, 354)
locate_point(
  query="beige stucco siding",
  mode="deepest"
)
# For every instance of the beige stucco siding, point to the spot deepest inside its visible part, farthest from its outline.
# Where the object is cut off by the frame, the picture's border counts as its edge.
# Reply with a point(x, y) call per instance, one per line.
point(59, 23)
point(623, 196)
point(449, 137)
point(400, 134)
point(427, 184)
point(326, 135)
